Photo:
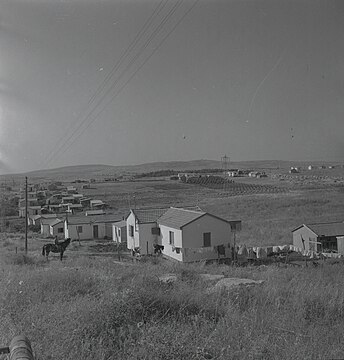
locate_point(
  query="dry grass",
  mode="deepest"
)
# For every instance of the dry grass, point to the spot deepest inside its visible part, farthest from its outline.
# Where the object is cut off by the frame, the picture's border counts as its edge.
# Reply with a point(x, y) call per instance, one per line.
point(95, 308)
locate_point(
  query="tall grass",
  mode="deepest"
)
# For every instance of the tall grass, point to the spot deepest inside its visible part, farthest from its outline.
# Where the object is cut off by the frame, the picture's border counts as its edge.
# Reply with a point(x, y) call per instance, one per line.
point(95, 308)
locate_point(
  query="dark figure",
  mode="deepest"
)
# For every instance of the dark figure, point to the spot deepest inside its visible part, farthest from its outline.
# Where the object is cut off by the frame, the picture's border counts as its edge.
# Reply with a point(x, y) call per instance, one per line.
point(56, 248)
point(158, 248)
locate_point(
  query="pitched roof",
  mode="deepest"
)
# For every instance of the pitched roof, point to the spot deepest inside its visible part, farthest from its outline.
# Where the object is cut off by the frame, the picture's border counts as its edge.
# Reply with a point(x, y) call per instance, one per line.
point(74, 220)
point(177, 218)
point(327, 229)
point(48, 221)
point(56, 222)
point(120, 224)
point(94, 212)
point(49, 216)
point(145, 216)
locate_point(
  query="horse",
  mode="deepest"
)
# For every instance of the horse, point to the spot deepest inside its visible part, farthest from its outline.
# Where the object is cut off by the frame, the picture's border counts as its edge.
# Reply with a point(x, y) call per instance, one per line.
point(56, 248)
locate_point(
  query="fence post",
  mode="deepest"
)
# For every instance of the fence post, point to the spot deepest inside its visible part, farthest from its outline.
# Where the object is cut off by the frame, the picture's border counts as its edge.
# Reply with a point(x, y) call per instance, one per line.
point(20, 348)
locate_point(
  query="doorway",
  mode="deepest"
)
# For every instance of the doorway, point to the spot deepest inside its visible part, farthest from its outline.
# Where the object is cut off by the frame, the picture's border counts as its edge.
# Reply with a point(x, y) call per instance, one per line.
point(95, 231)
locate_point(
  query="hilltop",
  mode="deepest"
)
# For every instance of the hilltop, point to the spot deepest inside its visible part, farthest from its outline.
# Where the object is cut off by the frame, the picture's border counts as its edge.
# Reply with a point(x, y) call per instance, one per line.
point(97, 170)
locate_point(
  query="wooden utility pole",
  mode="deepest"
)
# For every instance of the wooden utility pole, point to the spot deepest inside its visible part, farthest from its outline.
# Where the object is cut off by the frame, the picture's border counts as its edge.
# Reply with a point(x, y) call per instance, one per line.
point(26, 219)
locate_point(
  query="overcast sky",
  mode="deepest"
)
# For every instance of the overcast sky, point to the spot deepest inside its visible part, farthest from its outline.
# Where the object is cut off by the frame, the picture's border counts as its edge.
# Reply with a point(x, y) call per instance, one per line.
point(134, 81)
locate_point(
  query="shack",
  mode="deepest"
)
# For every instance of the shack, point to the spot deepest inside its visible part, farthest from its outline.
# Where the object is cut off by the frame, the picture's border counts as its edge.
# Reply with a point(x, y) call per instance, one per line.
point(320, 237)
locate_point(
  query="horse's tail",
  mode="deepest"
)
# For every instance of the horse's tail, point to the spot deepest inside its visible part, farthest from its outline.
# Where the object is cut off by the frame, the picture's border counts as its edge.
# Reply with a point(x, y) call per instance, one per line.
point(43, 250)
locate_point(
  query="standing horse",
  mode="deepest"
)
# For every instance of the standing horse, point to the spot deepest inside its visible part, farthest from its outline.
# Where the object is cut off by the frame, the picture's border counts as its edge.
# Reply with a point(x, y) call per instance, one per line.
point(56, 248)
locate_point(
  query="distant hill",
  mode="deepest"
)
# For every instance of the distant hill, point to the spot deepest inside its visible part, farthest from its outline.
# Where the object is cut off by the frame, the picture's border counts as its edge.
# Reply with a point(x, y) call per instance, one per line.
point(96, 171)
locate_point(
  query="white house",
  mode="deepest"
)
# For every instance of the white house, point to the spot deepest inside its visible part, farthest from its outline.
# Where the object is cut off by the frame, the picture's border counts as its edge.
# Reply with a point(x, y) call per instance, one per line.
point(189, 235)
point(321, 237)
point(119, 231)
point(89, 227)
point(57, 227)
point(45, 225)
point(142, 230)
point(96, 204)
point(186, 235)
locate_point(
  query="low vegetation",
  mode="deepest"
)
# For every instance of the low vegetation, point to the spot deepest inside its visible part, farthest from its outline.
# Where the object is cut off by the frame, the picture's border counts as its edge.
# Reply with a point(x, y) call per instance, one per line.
point(97, 308)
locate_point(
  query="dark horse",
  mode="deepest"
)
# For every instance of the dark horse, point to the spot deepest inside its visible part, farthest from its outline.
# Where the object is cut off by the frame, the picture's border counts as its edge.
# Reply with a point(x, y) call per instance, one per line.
point(56, 248)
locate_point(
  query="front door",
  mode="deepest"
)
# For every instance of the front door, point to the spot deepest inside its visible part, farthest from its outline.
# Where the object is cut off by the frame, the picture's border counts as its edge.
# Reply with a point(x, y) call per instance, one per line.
point(95, 231)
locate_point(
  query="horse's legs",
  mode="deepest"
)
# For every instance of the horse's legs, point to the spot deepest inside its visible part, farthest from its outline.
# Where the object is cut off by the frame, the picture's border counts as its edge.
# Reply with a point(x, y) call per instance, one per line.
point(61, 256)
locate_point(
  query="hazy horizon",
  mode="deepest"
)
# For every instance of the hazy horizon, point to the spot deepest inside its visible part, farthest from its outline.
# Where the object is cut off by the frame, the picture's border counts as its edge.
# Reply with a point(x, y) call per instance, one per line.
point(131, 82)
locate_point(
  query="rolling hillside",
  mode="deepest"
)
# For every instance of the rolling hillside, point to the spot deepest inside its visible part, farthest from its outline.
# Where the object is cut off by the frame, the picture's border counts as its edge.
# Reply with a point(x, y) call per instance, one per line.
point(87, 171)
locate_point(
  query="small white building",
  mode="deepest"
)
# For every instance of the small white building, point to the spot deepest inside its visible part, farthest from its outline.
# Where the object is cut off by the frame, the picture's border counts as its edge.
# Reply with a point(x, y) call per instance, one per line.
point(45, 225)
point(185, 235)
point(321, 237)
point(57, 228)
point(189, 235)
point(97, 204)
point(89, 227)
point(142, 230)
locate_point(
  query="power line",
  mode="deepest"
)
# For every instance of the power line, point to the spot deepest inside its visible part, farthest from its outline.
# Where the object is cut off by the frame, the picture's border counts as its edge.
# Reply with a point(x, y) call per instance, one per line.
point(131, 46)
point(126, 83)
point(143, 47)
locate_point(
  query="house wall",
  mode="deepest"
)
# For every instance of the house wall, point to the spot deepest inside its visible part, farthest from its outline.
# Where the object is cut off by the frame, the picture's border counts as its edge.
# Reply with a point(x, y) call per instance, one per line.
point(165, 241)
point(71, 231)
point(142, 238)
point(45, 229)
point(340, 242)
point(122, 237)
point(87, 231)
point(305, 234)
point(108, 230)
point(193, 238)
point(54, 230)
point(147, 239)
point(132, 241)
point(190, 239)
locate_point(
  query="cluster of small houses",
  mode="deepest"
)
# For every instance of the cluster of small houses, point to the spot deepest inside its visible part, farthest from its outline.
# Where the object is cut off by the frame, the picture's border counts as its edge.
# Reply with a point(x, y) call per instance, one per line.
point(41, 201)
point(184, 234)
point(295, 170)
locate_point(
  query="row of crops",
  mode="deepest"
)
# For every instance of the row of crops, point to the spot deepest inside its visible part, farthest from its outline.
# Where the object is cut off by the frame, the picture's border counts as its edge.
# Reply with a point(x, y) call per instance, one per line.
point(233, 188)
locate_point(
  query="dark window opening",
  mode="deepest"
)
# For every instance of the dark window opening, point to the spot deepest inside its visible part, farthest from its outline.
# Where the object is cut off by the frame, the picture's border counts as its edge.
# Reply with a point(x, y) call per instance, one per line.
point(206, 239)
point(171, 238)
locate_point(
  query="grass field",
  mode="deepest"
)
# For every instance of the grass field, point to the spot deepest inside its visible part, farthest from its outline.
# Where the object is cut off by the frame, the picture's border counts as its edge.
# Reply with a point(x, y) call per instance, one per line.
point(93, 307)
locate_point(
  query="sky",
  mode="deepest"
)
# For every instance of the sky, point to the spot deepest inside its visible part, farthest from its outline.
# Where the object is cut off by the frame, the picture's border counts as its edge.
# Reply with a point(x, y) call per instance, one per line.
point(122, 82)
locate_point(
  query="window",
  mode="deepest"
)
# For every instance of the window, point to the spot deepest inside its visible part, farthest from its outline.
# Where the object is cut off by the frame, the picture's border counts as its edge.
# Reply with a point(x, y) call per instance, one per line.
point(171, 238)
point(60, 230)
point(206, 239)
point(79, 229)
point(119, 232)
point(131, 230)
point(136, 225)
point(155, 231)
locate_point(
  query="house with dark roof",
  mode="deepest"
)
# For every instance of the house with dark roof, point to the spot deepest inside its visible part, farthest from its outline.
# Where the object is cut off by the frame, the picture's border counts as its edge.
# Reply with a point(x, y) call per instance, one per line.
point(89, 227)
point(185, 234)
point(320, 237)
point(192, 235)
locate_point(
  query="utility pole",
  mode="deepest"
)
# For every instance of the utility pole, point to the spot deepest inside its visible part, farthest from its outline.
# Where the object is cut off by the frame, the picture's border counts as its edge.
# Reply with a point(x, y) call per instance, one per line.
point(26, 210)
